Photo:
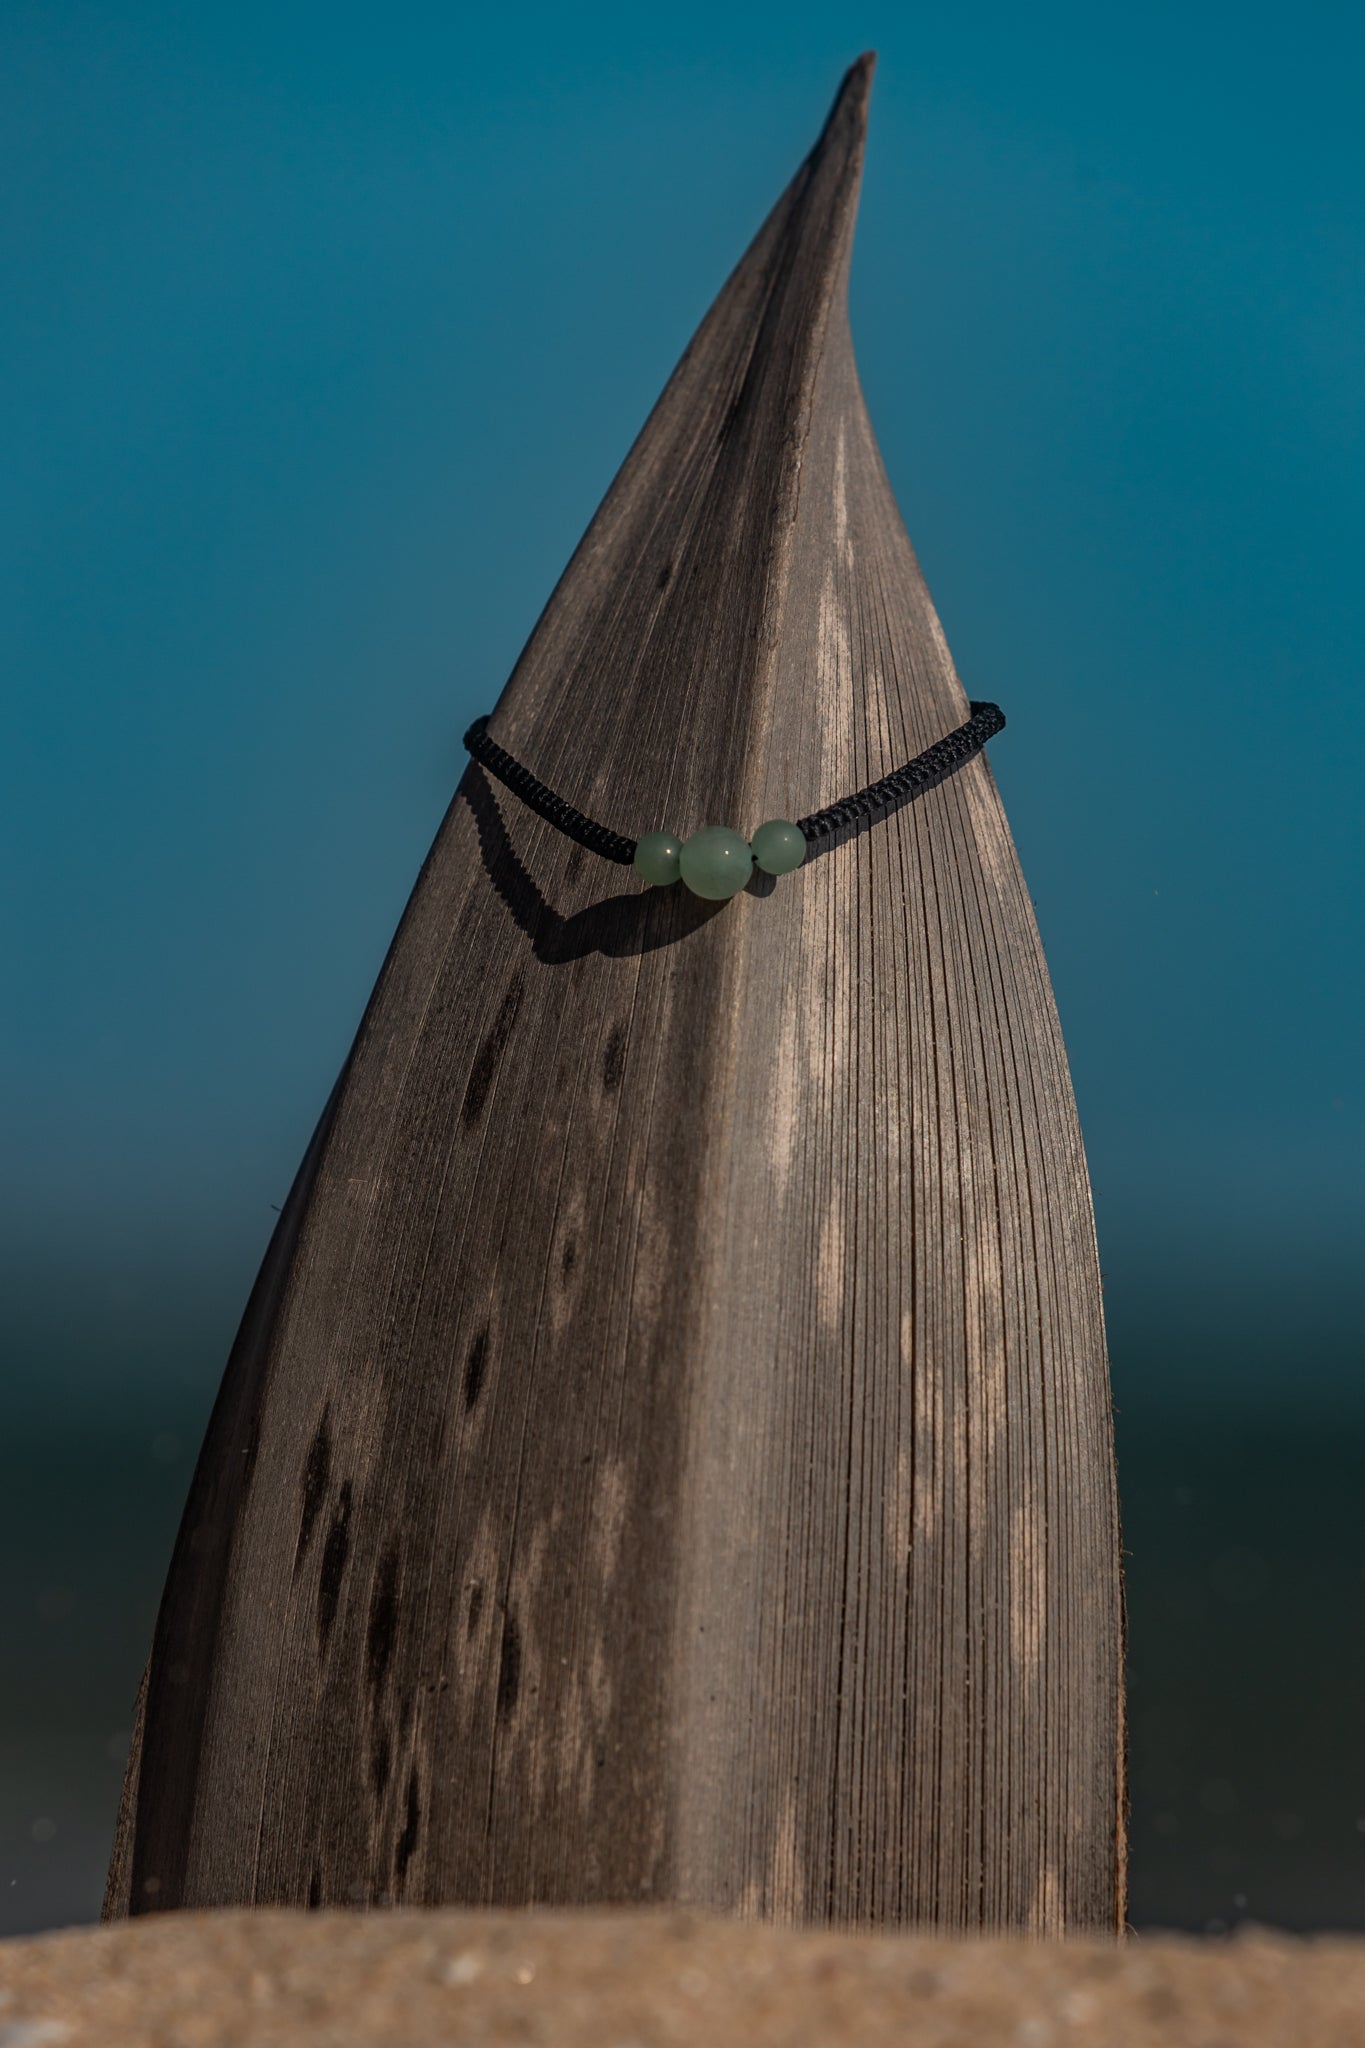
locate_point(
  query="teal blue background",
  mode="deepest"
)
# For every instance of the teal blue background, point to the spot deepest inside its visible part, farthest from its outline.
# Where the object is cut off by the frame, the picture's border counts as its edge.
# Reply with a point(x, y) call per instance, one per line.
point(323, 331)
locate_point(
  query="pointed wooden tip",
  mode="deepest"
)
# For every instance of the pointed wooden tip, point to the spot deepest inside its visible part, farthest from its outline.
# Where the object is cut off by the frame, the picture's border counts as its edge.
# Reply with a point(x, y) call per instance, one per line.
point(857, 83)
point(815, 216)
point(845, 127)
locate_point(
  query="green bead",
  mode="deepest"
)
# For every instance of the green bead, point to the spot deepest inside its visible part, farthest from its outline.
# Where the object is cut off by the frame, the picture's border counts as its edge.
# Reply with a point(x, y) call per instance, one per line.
point(779, 846)
point(657, 856)
point(716, 862)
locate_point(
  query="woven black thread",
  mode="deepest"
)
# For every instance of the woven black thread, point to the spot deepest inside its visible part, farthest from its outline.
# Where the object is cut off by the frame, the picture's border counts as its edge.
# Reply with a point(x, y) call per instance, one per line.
point(927, 768)
point(542, 799)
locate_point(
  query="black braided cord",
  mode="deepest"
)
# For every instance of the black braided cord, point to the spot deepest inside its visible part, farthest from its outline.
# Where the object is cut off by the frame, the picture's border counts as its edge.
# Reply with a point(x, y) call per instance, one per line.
point(542, 799)
point(926, 768)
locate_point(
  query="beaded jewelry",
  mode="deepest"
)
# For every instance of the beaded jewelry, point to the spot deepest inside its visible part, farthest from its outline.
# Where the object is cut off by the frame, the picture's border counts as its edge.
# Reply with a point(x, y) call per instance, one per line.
point(716, 862)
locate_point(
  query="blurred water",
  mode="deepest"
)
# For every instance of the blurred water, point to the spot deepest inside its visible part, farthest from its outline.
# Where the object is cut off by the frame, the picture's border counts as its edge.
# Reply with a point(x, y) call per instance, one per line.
point(87, 1518)
point(1246, 1580)
point(1246, 1597)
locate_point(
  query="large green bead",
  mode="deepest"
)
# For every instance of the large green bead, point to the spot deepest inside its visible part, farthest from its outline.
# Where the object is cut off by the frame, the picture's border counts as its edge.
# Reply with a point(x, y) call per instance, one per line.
point(657, 856)
point(779, 846)
point(716, 862)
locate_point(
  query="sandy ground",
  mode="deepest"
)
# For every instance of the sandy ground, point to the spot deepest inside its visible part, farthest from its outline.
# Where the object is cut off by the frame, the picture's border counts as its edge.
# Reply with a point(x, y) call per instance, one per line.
point(649, 1980)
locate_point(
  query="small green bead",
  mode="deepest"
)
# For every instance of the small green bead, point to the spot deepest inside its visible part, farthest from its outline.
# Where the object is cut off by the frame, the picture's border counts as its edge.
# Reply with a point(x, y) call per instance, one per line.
point(657, 856)
point(779, 846)
point(716, 862)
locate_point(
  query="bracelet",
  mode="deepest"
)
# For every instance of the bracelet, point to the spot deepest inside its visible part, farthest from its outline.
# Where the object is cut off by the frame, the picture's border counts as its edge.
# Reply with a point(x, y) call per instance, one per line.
point(716, 862)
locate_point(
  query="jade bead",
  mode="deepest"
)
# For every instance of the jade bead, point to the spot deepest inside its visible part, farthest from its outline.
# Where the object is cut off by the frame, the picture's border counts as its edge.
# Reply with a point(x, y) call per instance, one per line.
point(657, 856)
point(716, 862)
point(779, 846)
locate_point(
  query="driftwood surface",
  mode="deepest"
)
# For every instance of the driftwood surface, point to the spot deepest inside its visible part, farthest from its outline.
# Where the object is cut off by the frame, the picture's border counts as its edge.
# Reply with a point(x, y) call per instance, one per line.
point(668, 1453)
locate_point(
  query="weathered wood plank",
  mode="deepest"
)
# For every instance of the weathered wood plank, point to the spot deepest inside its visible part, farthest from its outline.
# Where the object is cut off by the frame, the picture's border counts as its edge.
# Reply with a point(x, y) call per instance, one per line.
point(668, 1453)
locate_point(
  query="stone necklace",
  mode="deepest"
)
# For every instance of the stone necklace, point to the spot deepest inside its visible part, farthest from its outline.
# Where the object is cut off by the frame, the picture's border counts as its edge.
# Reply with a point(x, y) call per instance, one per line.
point(716, 862)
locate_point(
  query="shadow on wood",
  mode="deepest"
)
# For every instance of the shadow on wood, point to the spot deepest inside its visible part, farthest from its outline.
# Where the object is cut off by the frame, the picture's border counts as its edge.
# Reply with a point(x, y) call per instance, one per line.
point(667, 1454)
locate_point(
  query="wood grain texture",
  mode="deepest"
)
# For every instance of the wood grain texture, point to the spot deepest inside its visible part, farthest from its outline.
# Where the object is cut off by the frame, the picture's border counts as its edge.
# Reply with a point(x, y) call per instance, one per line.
point(668, 1451)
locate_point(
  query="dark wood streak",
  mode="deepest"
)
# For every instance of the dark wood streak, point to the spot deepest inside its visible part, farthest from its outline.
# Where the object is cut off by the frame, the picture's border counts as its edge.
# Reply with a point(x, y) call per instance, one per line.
point(383, 1623)
point(614, 1060)
point(381, 1762)
point(509, 1668)
point(317, 1475)
point(683, 1453)
point(490, 1052)
point(475, 1366)
point(335, 1552)
point(412, 1822)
